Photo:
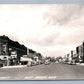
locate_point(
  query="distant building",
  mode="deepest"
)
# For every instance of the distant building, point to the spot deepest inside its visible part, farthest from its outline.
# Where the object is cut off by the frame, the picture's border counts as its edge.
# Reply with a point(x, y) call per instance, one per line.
point(11, 51)
point(71, 56)
point(74, 55)
point(31, 53)
point(34, 55)
point(80, 52)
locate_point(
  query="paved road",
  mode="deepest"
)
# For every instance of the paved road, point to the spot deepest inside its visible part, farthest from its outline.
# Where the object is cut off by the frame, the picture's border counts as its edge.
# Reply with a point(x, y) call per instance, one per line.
point(43, 72)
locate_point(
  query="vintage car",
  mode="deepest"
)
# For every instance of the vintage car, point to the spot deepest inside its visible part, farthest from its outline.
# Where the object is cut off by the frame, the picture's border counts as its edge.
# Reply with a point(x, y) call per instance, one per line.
point(72, 62)
point(47, 62)
point(1, 64)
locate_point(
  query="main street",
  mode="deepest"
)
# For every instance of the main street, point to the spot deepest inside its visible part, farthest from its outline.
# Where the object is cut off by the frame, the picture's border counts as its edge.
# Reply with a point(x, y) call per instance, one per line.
point(52, 71)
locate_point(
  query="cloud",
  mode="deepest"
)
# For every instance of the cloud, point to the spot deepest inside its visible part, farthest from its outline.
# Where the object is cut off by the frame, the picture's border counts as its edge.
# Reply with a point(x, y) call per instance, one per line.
point(63, 30)
point(63, 14)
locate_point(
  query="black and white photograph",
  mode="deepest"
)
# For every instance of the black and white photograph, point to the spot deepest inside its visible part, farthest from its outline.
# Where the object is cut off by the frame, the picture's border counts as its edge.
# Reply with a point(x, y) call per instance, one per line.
point(41, 42)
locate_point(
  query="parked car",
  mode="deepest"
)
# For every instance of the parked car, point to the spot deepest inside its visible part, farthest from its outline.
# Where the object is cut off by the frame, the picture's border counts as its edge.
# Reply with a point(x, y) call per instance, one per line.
point(47, 62)
point(33, 63)
point(72, 62)
point(29, 63)
point(1, 65)
point(56, 62)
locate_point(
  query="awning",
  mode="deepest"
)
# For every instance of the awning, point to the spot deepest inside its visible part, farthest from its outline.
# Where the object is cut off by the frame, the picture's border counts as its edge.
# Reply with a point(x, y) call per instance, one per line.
point(25, 59)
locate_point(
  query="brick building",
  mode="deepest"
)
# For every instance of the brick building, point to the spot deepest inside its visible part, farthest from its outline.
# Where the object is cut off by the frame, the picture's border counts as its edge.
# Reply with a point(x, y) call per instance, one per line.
point(34, 55)
point(11, 51)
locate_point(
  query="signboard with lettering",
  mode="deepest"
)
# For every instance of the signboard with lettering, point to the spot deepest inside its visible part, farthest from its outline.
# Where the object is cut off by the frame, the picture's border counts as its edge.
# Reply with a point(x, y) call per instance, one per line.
point(25, 59)
point(14, 54)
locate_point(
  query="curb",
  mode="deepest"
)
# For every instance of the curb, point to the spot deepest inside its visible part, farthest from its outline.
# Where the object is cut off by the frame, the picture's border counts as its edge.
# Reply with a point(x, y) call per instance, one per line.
point(82, 64)
point(14, 66)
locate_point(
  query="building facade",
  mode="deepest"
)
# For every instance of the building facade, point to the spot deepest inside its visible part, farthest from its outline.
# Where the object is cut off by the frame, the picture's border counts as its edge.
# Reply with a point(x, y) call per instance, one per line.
point(11, 51)
point(35, 56)
point(80, 52)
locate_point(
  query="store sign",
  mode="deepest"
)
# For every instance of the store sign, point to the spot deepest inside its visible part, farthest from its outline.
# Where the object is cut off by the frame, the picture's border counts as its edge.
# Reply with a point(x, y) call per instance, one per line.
point(10, 48)
point(4, 57)
point(13, 54)
point(25, 59)
point(4, 47)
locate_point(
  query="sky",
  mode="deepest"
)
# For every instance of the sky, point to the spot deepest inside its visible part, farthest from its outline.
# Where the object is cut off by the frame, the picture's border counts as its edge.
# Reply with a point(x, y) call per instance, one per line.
point(51, 29)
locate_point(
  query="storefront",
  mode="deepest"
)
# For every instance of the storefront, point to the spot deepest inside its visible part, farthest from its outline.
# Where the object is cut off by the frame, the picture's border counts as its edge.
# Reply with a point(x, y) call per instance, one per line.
point(4, 60)
point(25, 61)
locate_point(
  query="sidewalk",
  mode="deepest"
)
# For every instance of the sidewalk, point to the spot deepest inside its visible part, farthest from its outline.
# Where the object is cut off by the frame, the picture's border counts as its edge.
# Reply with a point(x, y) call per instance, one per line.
point(16, 66)
point(80, 64)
